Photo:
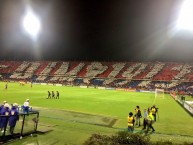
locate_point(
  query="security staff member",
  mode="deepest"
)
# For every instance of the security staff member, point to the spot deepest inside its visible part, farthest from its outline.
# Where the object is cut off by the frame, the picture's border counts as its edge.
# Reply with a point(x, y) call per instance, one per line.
point(131, 122)
point(150, 121)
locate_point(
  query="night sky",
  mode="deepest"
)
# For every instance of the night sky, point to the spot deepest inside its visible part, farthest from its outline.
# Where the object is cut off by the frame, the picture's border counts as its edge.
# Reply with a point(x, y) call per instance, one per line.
point(95, 30)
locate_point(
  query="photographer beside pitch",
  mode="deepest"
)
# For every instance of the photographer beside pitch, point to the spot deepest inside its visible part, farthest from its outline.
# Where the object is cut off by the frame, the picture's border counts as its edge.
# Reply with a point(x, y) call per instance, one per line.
point(154, 111)
point(138, 115)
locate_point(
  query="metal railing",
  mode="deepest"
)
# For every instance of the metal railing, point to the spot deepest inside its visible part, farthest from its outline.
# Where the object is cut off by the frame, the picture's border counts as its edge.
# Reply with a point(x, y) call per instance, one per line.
point(27, 124)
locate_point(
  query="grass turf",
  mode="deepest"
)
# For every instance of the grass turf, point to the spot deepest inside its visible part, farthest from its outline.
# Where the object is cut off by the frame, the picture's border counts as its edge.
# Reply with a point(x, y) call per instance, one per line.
point(102, 106)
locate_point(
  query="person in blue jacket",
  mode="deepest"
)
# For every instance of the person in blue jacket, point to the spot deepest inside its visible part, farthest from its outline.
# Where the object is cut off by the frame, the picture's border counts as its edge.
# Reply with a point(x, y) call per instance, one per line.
point(5, 116)
point(1, 109)
point(14, 117)
point(26, 107)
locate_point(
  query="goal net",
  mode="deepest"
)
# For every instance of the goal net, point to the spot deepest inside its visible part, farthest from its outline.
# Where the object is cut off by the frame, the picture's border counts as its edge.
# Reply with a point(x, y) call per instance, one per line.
point(159, 93)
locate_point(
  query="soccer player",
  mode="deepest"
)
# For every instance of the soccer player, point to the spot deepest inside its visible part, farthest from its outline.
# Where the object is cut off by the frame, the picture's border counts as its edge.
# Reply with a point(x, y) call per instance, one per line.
point(6, 86)
point(14, 117)
point(49, 95)
point(57, 95)
point(53, 95)
point(131, 122)
point(31, 84)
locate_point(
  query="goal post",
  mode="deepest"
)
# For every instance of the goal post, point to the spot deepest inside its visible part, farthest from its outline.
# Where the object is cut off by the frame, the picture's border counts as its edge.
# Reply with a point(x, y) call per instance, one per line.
point(159, 93)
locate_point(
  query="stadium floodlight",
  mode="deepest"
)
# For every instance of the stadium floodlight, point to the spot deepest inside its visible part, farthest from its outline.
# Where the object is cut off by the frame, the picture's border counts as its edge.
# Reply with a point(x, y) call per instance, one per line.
point(31, 24)
point(185, 20)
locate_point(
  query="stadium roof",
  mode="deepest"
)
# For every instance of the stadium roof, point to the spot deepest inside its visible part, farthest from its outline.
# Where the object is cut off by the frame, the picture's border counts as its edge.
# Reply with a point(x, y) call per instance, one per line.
point(103, 30)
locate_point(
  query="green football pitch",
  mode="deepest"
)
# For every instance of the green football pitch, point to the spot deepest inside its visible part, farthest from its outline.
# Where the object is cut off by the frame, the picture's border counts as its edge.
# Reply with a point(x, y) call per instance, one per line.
point(81, 112)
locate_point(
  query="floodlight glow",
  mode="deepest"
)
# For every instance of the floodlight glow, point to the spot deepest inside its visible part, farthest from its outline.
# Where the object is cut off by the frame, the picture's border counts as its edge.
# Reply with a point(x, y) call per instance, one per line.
point(31, 24)
point(185, 20)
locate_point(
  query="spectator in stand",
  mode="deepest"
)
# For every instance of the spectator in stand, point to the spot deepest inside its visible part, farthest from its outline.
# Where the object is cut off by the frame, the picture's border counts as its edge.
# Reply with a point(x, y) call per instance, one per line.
point(26, 106)
point(14, 117)
point(57, 95)
point(5, 114)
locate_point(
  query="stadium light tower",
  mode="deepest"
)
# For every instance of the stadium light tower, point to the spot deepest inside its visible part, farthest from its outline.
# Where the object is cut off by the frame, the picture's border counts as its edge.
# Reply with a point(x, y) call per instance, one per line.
point(185, 20)
point(31, 24)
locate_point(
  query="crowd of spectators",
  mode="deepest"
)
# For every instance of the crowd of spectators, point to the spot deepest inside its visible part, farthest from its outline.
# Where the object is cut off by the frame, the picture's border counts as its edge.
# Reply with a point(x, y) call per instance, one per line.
point(142, 75)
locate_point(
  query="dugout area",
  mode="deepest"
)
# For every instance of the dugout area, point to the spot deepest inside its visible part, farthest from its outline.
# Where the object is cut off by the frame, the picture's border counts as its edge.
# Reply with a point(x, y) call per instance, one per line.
point(26, 125)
